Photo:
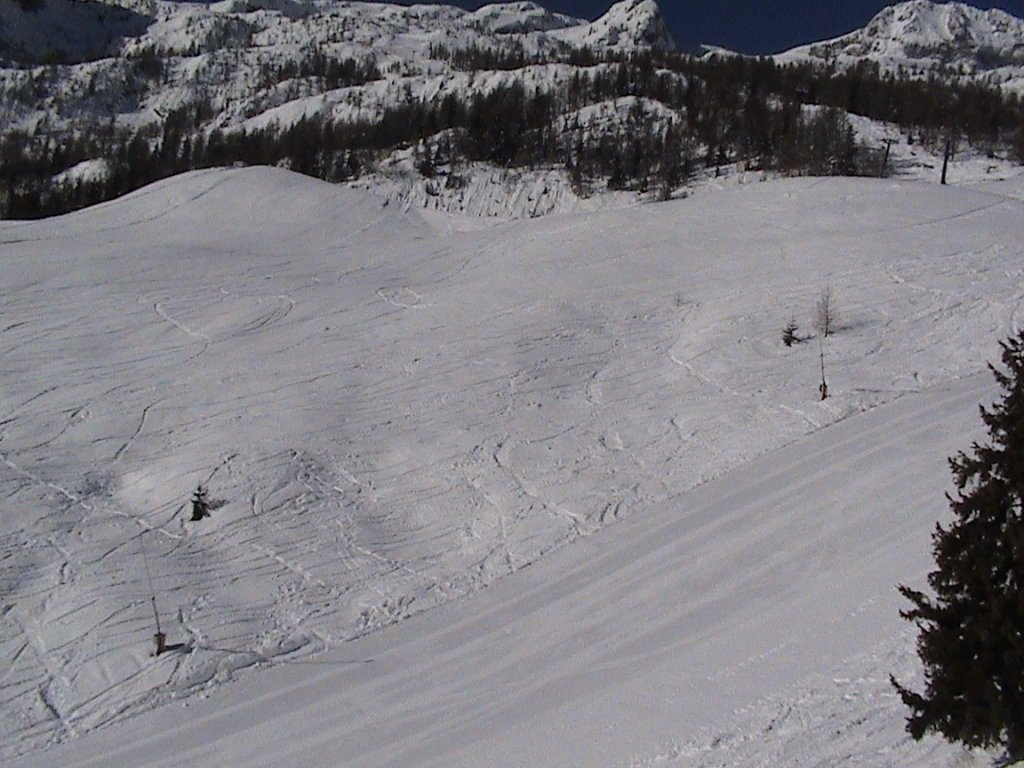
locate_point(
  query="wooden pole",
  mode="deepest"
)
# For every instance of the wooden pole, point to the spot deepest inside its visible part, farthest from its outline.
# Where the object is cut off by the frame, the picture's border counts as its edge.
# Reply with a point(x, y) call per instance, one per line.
point(885, 158)
point(824, 385)
point(159, 638)
point(946, 155)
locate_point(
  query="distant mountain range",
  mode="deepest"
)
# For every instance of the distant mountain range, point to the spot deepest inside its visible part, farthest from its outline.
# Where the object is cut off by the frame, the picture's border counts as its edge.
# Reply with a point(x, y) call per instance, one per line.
point(33, 31)
point(142, 58)
point(164, 76)
point(227, 47)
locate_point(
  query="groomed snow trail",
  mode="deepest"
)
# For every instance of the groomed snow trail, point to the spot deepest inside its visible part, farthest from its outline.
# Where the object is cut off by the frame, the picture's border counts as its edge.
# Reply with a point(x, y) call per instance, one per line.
point(636, 638)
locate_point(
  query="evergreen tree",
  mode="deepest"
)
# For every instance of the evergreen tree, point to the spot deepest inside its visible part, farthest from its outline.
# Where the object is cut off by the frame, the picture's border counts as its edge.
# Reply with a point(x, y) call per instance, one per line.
point(200, 504)
point(971, 639)
point(789, 337)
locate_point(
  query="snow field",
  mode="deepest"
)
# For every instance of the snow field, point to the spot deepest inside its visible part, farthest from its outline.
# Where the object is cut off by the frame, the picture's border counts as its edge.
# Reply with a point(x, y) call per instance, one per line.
point(391, 415)
point(607, 652)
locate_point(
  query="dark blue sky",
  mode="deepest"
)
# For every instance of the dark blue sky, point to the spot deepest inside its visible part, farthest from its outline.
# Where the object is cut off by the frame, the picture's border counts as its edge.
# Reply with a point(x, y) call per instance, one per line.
point(752, 26)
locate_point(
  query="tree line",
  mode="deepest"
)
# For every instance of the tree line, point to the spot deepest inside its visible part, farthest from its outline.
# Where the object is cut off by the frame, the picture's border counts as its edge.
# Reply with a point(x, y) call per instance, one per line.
point(721, 110)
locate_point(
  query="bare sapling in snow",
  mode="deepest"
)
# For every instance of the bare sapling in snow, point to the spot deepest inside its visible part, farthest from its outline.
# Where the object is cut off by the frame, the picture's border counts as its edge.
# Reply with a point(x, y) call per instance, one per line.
point(825, 317)
point(825, 325)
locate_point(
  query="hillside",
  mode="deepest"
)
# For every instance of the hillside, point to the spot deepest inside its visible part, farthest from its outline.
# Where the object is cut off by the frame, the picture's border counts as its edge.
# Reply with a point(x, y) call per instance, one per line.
point(391, 414)
point(108, 84)
point(252, 59)
point(509, 110)
point(920, 38)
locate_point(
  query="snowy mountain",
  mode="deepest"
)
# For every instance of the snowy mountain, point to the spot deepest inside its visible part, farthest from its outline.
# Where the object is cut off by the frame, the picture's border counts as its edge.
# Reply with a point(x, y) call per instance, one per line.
point(520, 18)
point(75, 68)
point(690, 558)
point(137, 66)
point(509, 110)
point(922, 38)
point(629, 24)
point(483, 493)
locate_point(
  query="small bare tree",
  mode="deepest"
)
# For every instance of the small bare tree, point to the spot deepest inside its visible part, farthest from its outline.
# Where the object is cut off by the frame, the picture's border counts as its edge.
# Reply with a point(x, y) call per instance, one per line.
point(825, 317)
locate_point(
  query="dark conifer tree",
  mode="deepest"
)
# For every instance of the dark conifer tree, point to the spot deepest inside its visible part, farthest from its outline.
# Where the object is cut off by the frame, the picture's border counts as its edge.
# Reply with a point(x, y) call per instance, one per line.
point(200, 504)
point(789, 337)
point(971, 637)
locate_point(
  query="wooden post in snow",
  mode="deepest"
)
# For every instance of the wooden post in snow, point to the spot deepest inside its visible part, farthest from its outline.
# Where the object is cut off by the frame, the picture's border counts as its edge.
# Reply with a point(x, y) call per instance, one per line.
point(946, 155)
point(159, 637)
point(823, 388)
point(885, 159)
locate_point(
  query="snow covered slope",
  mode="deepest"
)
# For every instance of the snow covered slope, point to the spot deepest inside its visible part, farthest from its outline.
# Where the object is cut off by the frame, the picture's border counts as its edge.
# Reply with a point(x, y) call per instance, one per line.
point(177, 53)
point(628, 24)
point(391, 415)
point(924, 38)
point(624, 649)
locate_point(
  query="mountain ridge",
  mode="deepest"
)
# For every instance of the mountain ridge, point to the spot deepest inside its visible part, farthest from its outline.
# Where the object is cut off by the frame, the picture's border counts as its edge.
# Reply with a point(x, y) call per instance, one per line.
point(341, 89)
point(922, 37)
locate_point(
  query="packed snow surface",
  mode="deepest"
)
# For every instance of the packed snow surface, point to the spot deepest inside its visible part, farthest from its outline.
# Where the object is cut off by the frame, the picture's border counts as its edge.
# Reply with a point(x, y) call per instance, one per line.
point(391, 413)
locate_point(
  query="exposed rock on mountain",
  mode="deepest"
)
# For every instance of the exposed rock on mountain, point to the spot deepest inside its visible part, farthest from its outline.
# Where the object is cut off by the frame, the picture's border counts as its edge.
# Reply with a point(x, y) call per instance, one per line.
point(632, 23)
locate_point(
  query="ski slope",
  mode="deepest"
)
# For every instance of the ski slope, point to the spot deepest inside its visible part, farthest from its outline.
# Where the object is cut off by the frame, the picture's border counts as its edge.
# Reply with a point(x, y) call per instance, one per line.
point(622, 642)
point(544, 493)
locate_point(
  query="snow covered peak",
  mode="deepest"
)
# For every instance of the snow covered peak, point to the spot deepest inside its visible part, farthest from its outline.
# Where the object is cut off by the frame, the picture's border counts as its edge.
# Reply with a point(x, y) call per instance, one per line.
point(288, 8)
point(949, 31)
point(629, 23)
point(79, 30)
point(924, 37)
point(520, 17)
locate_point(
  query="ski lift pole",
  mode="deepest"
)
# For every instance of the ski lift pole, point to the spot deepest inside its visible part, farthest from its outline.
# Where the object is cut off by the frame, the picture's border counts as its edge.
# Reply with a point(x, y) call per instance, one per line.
point(156, 616)
point(160, 639)
point(824, 385)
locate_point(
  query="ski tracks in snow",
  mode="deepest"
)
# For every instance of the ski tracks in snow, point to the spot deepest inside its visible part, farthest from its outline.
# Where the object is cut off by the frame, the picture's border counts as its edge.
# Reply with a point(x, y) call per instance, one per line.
point(472, 444)
point(686, 620)
point(848, 715)
point(138, 430)
point(527, 488)
point(198, 336)
point(403, 298)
